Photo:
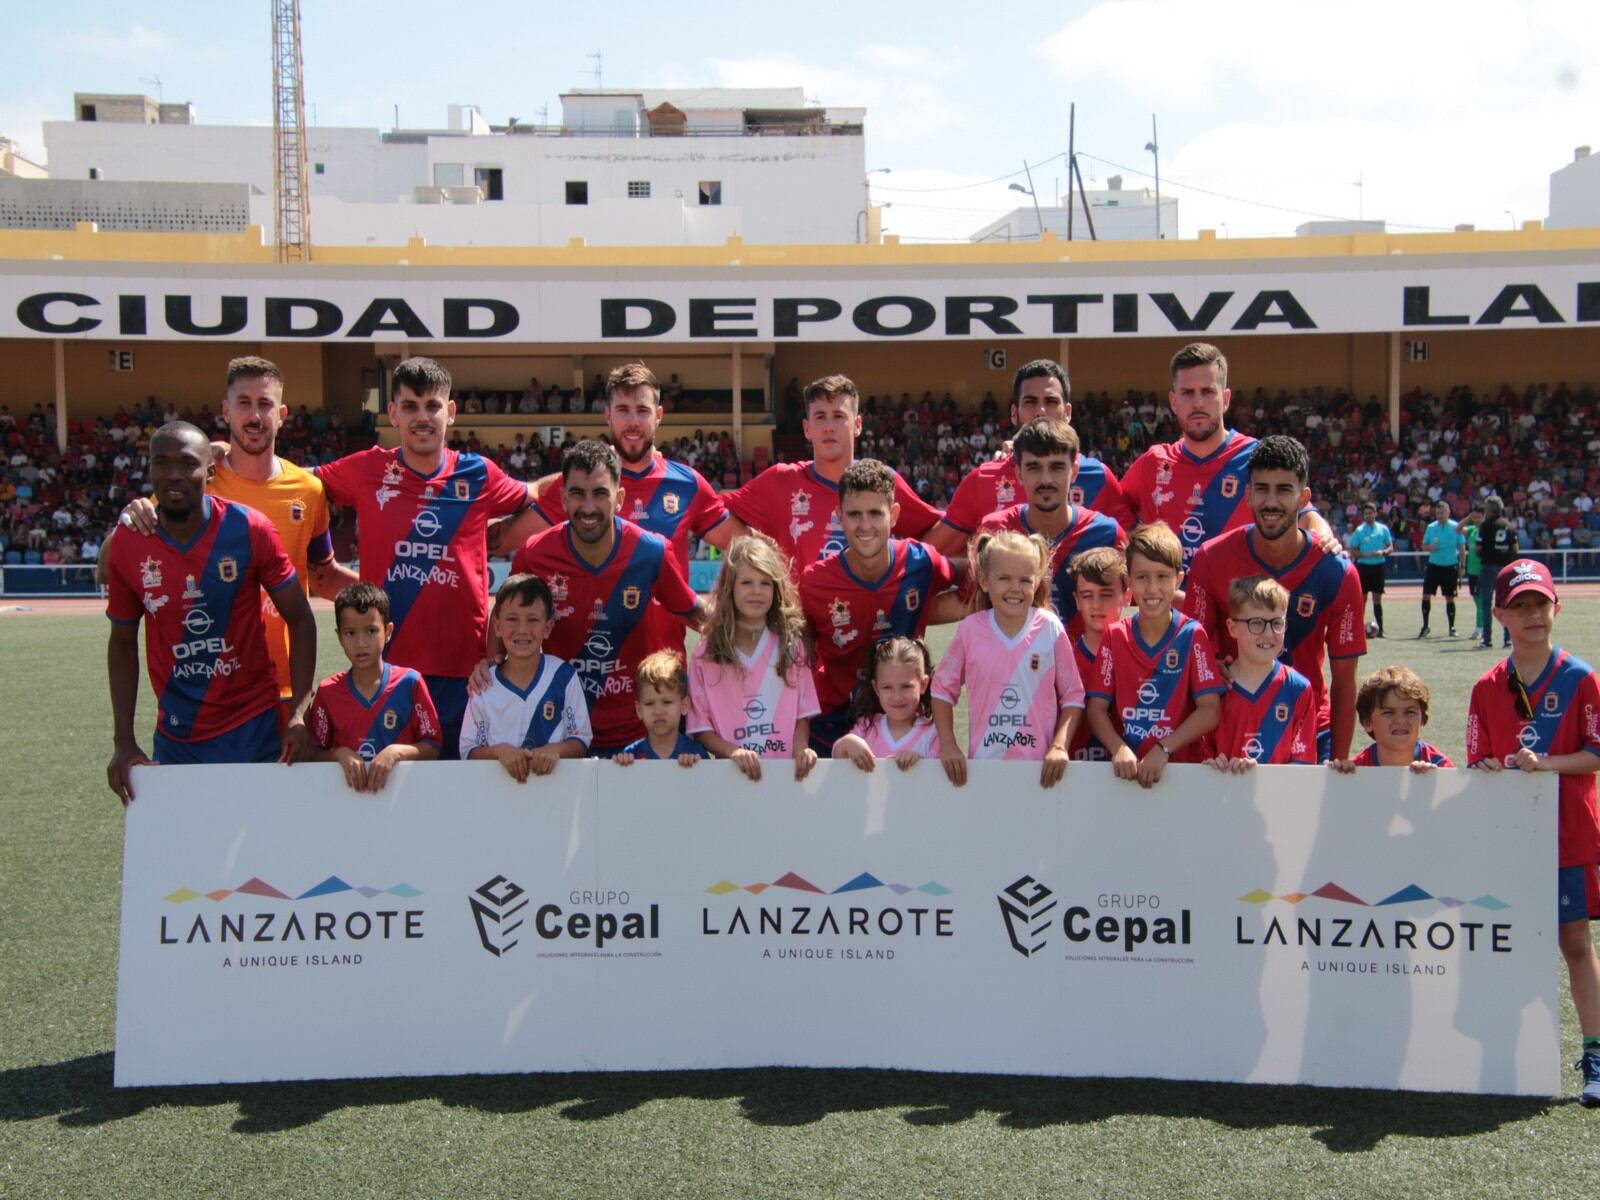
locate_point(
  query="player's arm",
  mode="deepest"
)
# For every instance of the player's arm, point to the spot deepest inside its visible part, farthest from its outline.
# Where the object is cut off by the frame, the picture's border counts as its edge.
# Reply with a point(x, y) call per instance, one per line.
point(1201, 721)
point(386, 759)
point(297, 616)
point(1579, 762)
point(102, 573)
point(722, 534)
point(1056, 755)
point(122, 669)
point(947, 539)
point(327, 576)
point(1097, 711)
point(1342, 704)
point(505, 536)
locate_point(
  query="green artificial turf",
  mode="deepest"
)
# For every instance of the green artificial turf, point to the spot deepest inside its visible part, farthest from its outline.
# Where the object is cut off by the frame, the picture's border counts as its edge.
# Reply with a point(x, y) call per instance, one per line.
point(64, 1132)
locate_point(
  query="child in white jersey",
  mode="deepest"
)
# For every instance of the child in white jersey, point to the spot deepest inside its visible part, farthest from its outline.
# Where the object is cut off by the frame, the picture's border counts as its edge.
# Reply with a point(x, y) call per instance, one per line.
point(751, 695)
point(894, 712)
point(1016, 661)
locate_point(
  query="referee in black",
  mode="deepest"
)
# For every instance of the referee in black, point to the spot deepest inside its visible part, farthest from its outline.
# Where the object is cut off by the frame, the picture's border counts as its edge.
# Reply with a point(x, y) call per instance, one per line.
point(1497, 546)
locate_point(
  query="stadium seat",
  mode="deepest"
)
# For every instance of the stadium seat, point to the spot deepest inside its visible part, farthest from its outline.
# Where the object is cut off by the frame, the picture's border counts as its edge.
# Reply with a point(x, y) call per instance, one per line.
point(33, 558)
point(13, 557)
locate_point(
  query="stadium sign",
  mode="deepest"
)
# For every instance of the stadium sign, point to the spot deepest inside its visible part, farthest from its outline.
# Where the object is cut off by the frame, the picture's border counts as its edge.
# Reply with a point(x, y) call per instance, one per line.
point(1274, 927)
point(439, 305)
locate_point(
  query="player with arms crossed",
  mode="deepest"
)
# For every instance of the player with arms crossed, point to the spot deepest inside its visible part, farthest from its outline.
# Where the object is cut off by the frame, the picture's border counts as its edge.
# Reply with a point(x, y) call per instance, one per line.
point(1325, 601)
point(422, 510)
point(604, 574)
point(797, 504)
point(197, 582)
point(1197, 484)
point(1039, 389)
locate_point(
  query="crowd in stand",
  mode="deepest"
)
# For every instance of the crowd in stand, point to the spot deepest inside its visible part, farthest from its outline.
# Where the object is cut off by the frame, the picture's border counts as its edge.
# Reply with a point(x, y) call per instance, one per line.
point(1538, 449)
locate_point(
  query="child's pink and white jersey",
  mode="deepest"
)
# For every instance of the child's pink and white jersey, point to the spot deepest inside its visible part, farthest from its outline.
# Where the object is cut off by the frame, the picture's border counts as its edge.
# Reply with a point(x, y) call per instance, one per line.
point(1016, 687)
point(754, 707)
point(922, 738)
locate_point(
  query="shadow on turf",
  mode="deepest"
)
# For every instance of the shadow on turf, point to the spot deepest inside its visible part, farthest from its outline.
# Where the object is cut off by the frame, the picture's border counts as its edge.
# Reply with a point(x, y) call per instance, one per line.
point(79, 1094)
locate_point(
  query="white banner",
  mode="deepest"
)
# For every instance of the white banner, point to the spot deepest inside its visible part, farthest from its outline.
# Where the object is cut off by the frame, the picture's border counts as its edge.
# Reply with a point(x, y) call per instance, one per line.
point(1202, 299)
point(1385, 930)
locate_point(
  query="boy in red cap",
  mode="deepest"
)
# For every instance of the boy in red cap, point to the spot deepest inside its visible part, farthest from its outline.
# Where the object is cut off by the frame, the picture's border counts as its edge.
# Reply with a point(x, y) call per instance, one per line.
point(1539, 710)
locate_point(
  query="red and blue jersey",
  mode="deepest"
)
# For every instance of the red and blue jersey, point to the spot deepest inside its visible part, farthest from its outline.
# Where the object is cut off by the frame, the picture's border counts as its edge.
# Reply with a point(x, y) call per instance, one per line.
point(601, 626)
point(799, 509)
point(1151, 689)
point(1276, 723)
point(849, 615)
point(1325, 603)
point(1565, 699)
point(669, 499)
point(422, 541)
point(993, 486)
point(1200, 498)
point(1086, 530)
point(1424, 752)
point(399, 712)
point(205, 645)
point(1085, 746)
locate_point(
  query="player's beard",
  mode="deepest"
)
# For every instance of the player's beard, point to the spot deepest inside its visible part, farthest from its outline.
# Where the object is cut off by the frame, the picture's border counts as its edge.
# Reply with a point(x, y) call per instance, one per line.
point(174, 515)
point(1202, 434)
point(647, 452)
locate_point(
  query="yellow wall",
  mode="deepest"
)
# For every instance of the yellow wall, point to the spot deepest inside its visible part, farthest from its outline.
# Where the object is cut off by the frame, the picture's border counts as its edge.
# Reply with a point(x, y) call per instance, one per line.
point(1515, 356)
point(938, 367)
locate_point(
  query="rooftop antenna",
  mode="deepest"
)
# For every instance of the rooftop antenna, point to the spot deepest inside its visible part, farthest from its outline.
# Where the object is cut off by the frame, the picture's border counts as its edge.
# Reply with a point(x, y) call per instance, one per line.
point(155, 79)
point(1361, 197)
point(597, 77)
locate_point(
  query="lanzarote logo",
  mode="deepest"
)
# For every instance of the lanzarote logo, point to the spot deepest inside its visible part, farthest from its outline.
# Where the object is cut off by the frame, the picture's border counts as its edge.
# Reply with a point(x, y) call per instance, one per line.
point(1026, 906)
point(497, 908)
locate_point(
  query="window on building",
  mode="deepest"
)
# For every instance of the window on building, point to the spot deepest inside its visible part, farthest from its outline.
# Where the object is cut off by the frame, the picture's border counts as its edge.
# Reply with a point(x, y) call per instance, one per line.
point(710, 191)
point(638, 189)
point(94, 172)
point(488, 181)
point(86, 112)
point(321, 168)
point(577, 191)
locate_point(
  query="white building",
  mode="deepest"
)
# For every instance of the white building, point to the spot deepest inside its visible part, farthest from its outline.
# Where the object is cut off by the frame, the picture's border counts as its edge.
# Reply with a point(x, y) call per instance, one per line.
point(1120, 215)
point(1575, 192)
point(624, 167)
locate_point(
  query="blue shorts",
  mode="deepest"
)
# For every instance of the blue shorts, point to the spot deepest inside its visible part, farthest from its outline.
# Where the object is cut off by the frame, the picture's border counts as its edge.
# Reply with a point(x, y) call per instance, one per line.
point(1325, 745)
point(256, 741)
point(449, 695)
point(1578, 894)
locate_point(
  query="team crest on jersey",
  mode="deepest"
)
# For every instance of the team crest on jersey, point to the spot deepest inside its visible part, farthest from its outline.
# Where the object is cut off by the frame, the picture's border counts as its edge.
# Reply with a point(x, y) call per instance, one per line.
point(1172, 658)
point(1306, 605)
point(1280, 713)
point(191, 590)
point(1005, 493)
point(549, 710)
point(630, 598)
point(227, 569)
point(1552, 702)
point(1075, 495)
point(297, 511)
point(670, 503)
point(558, 588)
point(150, 573)
point(1033, 662)
point(463, 489)
point(638, 514)
point(392, 473)
point(1230, 486)
point(913, 599)
point(390, 720)
point(429, 492)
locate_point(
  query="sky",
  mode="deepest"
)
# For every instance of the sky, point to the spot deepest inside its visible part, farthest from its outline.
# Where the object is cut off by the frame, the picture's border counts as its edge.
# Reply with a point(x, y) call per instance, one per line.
point(1269, 113)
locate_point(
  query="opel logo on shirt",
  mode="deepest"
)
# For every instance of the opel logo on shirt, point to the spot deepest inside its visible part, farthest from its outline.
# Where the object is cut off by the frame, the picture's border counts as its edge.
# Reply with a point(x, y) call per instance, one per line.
point(1529, 736)
point(1009, 699)
point(1148, 693)
point(427, 523)
point(598, 645)
point(197, 621)
point(754, 708)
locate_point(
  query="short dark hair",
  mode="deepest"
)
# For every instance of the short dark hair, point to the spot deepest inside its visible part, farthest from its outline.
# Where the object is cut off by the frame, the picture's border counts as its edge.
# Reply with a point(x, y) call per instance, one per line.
point(251, 366)
point(633, 375)
point(525, 589)
point(589, 456)
point(422, 375)
point(1043, 437)
point(1201, 354)
point(363, 597)
point(1040, 368)
point(180, 431)
point(832, 385)
point(1280, 453)
point(867, 475)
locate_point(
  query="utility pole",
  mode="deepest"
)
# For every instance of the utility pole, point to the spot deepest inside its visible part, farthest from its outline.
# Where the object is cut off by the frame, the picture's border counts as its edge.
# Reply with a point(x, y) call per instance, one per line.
point(289, 134)
point(1155, 149)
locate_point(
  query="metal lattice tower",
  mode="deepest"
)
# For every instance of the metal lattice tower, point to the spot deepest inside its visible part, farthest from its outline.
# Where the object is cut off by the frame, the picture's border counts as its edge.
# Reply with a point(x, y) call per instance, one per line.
point(289, 134)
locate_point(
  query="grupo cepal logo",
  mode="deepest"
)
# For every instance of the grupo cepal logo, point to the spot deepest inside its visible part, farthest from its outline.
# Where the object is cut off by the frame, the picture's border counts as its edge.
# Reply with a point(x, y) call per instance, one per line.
point(1409, 932)
point(585, 924)
point(863, 919)
point(1117, 926)
point(329, 924)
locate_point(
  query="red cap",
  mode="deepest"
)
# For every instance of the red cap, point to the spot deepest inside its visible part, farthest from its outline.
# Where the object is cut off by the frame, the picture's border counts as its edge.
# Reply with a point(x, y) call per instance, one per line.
point(1524, 575)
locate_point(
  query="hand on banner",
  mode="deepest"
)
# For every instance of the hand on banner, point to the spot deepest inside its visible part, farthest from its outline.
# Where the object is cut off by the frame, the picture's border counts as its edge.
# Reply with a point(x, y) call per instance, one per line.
point(955, 765)
point(857, 751)
point(907, 759)
point(1491, 765)
point(378, 769)
point(1344, 766)
point(804, 759)
point(118, 775)
point(1150, 766)
point(297, 743)
point(544, 759)
point(355, 770)
point(748, 762)
point(515, 760)
point(1125, 763)
point(1421, 766)
point(1055, 766)
point(1527, 760)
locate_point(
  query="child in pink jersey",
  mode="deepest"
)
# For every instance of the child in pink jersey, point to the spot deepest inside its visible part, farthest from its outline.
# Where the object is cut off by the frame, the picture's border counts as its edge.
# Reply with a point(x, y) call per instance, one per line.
point(1016, 661)
point(751, 695)
point(894, 712)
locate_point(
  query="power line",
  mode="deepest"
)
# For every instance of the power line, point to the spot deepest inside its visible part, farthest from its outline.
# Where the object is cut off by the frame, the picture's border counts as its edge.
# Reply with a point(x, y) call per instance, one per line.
point(959, 187)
